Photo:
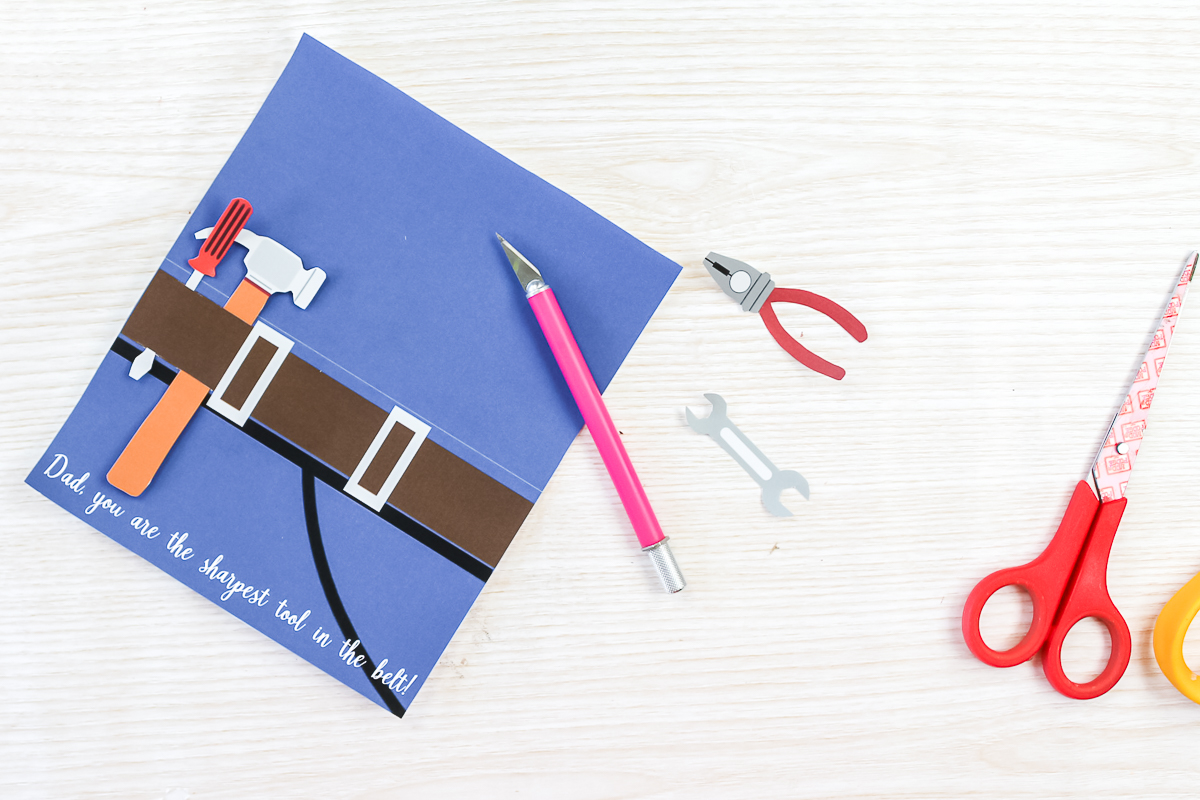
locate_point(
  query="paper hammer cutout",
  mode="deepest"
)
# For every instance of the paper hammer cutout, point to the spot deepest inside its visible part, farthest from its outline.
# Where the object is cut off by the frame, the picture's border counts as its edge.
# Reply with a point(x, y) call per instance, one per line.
point(275, 269)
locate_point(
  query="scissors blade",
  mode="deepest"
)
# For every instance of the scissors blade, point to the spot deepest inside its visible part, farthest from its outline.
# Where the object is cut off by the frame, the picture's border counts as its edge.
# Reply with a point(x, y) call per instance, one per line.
point(1114, 462)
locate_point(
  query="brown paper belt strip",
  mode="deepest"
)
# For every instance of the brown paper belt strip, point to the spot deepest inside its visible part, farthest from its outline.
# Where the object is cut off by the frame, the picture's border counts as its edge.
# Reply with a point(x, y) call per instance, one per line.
point(328, 420)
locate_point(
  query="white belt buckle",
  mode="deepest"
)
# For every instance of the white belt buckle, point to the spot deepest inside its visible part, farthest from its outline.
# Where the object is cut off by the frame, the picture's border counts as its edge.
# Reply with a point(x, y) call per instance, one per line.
point(283, 346)
point(375, 500)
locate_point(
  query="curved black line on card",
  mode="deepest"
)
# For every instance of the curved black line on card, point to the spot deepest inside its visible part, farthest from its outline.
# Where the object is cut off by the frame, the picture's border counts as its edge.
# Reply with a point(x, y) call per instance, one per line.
point(340, 614)
point(327, 475)
point(389, 514)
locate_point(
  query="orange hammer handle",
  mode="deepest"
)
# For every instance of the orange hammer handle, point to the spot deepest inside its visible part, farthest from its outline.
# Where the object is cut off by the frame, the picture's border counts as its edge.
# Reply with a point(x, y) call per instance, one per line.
point(247, 302)
point(140, 460)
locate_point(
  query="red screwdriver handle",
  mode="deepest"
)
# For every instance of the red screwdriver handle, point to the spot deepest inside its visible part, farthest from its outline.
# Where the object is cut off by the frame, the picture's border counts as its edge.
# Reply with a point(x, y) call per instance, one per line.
point(232, 220)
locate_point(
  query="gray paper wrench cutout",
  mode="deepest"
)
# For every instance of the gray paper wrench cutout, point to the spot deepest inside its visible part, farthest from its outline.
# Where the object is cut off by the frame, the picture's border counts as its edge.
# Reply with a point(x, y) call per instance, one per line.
point(772, 480)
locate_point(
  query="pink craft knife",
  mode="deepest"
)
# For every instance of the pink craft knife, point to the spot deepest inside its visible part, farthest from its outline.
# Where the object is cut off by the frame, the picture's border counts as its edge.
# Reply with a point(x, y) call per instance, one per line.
point(595, 416)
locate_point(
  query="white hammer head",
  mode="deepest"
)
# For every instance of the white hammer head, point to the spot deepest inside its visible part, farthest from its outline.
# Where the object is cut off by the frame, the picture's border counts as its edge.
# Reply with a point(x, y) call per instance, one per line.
point(274, 268)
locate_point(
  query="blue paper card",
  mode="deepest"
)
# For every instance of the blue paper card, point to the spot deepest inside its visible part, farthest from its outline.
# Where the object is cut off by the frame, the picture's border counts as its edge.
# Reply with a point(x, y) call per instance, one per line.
point(372, 453)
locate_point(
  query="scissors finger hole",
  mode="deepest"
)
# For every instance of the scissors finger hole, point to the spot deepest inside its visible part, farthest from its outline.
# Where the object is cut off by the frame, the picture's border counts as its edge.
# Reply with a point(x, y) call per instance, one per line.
point(1191, 645)
point(1086, 650)
point(1006, 618)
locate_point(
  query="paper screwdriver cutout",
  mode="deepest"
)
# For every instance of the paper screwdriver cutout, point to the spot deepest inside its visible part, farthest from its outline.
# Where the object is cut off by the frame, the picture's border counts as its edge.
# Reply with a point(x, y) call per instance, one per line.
point(203, 265)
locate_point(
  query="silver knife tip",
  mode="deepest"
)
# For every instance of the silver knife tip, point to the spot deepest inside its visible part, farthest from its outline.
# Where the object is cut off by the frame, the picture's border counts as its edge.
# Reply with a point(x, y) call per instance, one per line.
point(527, 273)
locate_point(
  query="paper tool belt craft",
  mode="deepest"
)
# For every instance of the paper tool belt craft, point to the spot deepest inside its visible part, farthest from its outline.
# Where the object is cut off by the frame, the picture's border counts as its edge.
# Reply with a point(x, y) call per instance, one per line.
point(248, 374)
point(246, 370)
point(1068, 581)
point(361, 429)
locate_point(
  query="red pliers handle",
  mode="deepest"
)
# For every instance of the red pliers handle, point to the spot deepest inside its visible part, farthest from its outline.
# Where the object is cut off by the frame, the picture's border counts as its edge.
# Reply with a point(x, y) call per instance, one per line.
point(808, 358)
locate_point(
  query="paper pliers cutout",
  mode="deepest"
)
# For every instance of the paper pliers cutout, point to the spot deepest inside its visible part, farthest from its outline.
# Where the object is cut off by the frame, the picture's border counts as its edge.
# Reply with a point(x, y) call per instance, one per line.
point(755, 291)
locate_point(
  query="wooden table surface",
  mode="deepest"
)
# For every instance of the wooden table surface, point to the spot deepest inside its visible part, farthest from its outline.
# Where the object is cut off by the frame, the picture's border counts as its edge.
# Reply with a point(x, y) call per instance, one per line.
point(1002, 192)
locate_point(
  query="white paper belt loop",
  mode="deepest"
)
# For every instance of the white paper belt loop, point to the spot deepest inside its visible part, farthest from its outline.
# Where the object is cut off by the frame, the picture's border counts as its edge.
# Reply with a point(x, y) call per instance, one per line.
point(375, 500)
point(283, 346)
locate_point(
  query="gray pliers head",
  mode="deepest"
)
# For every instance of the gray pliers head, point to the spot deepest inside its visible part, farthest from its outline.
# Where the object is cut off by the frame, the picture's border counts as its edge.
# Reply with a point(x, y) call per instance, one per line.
point(749, 287)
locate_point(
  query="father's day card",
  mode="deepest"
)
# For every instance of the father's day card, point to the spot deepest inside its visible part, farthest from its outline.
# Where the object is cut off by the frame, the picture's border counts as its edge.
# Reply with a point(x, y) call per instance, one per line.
point(337, 435)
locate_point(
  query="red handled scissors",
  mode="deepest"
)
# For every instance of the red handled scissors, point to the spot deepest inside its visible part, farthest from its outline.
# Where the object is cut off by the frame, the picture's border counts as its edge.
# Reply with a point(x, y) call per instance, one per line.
point(755, 291)
point(1067, 582)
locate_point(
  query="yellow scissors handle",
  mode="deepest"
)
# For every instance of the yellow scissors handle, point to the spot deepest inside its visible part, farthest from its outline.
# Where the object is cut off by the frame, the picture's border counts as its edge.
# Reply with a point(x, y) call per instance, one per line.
point(1169, 631)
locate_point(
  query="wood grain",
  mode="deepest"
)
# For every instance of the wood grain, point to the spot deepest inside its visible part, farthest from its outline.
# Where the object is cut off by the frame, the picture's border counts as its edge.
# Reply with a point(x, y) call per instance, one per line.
point(1002, 192)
